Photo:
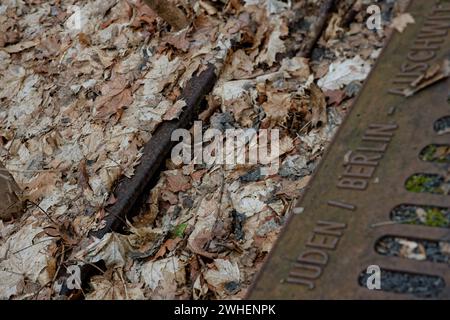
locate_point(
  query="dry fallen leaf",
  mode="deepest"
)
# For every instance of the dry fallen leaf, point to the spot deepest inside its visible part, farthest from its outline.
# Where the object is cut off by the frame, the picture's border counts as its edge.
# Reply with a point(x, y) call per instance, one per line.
point(319, 106)
point(112, 249)
point(114, 289)
point(11, 204)
point(21, 46)
point(177, 181)
point(342, 73)
point(179, 40)
point(435, 73)
point(226, 273)
point(115, 96)
point(175, 110)
point(412, 250)
point(401, 22)
point(277, 107)
point(293, 189)
point(204, 225)
point(23, 256)
point(163, 277)
point(274, 44)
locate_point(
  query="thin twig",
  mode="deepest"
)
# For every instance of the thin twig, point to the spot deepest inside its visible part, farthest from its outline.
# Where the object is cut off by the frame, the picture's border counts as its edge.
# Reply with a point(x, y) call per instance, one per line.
point(388, 223)
point(45, 212)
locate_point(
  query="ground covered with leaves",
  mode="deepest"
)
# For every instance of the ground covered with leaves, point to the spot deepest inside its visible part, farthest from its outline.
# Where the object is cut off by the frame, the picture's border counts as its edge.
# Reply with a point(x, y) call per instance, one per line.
point(79, 101)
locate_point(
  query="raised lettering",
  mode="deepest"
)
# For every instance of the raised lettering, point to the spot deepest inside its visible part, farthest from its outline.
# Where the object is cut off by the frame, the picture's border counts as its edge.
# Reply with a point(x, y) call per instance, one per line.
point(321, 241)
point(352, 183)
point(300, 281)
point(357, 171)
point(361, 159)
point(330, 228)
point(421, 56)
point(381, 130)
point(312, 272)
point(314, 257)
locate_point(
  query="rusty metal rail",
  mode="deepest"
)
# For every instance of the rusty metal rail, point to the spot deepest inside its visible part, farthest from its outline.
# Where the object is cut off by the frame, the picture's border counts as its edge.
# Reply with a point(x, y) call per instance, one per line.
point(156, 151)
point(129, 191)
point(330, 238)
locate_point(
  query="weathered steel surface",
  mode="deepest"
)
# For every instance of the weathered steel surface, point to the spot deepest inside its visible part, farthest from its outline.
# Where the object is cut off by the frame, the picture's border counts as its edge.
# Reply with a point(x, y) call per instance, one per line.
point(330, 238)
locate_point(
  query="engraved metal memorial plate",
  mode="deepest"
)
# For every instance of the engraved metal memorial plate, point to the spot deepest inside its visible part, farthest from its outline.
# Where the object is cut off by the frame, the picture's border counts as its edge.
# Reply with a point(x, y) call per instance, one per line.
point(331, 236)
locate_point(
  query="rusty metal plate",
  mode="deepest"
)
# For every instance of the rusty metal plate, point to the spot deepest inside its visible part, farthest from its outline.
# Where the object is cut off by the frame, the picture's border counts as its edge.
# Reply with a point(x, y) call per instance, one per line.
point(330, 238)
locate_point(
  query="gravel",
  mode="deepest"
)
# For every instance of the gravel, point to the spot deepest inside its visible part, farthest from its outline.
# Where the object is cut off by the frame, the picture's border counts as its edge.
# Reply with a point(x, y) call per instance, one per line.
point(404, 283)
point(429, 250)
point(409, 214)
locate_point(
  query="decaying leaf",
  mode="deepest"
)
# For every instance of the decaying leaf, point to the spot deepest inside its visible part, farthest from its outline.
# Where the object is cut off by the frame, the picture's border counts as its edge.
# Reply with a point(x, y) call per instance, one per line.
point(23, 256)
point(342, 73)
point(318, 105)
point(274, 44)
point(163, 277)
point(177, 181)
point(175, 110)
point(115, 96)
point(112, 249)
point(225, 276)
point(114, 289)
point(204, 225)
point(412, 250)
point(12, 204)
point(293, 189)
point(400, 22)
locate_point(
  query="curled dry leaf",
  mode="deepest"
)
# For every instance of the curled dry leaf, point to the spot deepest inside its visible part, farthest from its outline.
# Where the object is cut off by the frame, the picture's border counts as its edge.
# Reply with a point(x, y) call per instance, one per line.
point(342, 73)
point(400, 22)
point(277, 107)
point(23, 256)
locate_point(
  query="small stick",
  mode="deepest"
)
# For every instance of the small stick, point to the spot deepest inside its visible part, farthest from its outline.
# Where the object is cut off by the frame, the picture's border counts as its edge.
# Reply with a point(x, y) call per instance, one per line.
point(169, 13)
point(317, 28)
